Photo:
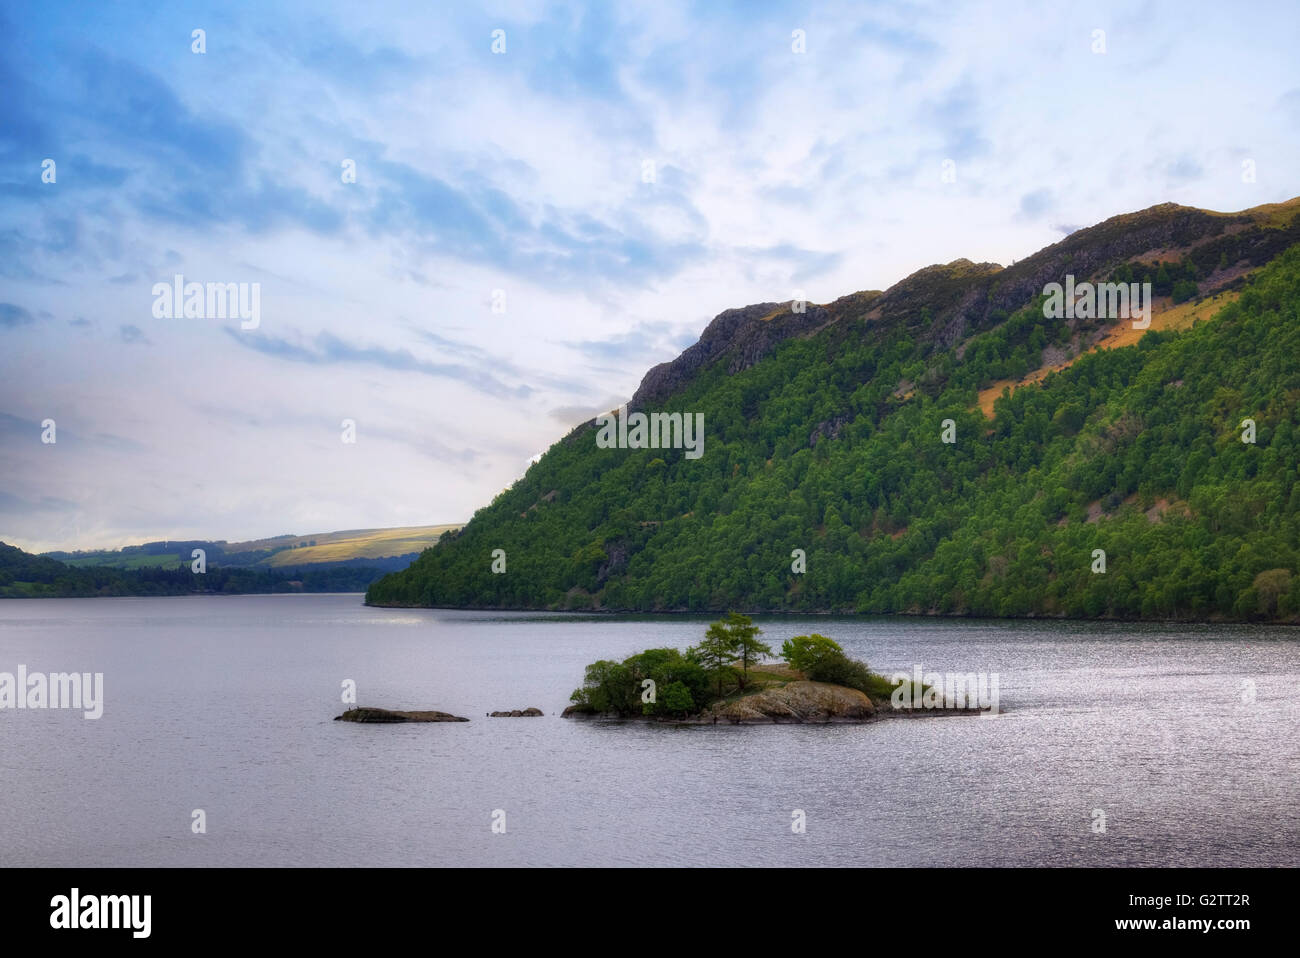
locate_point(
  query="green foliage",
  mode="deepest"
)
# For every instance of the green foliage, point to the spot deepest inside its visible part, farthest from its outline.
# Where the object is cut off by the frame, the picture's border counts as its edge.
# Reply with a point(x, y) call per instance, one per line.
point(619, 687)
point(714, 656)
point(1273, 588)
point(842, 670)
point(1177, 279)
point(822, 660)
point(607, 687)
point(1183, 290)
point(805, 652)
point(1069, 418)
point(686, 684)
point(1143, 441)
point(677, 700)
point(735, 639)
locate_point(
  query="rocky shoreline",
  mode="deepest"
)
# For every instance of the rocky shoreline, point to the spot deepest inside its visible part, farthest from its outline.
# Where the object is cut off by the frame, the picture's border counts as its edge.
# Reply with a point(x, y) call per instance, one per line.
point(796, 703)
point(801, 702)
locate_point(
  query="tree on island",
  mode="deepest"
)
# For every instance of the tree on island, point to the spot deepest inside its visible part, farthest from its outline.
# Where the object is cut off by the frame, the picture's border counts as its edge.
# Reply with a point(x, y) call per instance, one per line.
point(677, 699)
point(823, 660)
point(667, 683)
point(714, 654)
point(807, 652)
point(745, 638)
point(730, 640)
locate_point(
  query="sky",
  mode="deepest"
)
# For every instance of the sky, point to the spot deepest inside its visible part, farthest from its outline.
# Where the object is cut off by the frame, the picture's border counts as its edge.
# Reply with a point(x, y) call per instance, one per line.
point(547, 200)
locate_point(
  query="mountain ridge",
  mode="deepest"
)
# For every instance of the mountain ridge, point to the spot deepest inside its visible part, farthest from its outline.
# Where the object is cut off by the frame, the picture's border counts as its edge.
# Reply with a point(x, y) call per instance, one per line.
point(1144, 232)
point(824, 437)
point(322, 548)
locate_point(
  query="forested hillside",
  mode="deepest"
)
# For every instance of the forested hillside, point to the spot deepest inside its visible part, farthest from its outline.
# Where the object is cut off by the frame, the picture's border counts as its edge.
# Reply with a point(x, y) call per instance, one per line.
point(826, 435)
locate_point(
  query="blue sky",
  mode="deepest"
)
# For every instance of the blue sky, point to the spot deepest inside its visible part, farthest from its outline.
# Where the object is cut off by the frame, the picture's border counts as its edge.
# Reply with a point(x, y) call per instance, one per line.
point(523, 172)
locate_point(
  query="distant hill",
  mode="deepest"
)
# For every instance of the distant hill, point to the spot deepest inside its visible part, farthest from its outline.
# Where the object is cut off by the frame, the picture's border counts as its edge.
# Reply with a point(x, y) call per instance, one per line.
point(826, 483)
point(387, 549)
point(351, 545)
point(26, 576)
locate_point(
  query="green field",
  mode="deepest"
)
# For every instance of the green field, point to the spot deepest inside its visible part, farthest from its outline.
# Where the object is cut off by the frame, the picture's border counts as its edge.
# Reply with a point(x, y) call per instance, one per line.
point(118, 561)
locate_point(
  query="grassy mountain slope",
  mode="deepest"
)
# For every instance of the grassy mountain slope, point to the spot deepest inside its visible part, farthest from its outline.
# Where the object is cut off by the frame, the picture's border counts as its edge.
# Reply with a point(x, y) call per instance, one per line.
point(27, 576)
point(823, 434)
point(354, 544)
point(325, 548)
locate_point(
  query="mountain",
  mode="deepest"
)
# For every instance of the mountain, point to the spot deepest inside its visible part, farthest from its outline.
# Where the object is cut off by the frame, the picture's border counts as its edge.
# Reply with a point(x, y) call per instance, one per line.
point(387, 549)
point(27, 576)
point(1095, 470)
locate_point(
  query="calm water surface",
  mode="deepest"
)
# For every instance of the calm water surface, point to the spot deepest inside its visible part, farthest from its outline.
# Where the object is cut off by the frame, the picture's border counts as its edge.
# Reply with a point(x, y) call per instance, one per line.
point(225, 704)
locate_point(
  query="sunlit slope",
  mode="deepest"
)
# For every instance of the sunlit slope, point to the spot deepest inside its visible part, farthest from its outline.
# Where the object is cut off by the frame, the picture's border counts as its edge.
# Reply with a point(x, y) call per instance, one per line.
point(356, 544)
point(349, 545)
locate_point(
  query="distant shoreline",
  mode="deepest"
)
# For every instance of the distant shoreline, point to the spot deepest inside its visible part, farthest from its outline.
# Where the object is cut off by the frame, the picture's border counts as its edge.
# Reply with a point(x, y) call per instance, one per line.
point(949, 616)
point(189, 595)
point(774, 613)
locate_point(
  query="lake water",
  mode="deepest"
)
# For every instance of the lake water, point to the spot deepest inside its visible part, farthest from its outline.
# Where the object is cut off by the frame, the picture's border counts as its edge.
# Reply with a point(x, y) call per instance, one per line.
point(225, 704)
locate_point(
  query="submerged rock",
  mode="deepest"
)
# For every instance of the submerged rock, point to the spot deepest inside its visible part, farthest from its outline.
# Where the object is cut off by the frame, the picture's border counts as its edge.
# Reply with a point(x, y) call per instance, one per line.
point(367, 714)
point(516, 713)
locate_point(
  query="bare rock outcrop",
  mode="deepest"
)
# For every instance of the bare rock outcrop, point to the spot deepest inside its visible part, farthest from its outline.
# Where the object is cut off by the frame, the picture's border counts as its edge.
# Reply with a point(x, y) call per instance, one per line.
point(802, 701)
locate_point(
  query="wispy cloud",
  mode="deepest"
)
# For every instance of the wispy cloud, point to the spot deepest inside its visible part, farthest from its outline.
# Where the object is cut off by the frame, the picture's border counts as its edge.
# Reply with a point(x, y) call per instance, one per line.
point(1036, 203)
point(647, 341)
point(622, 173)
point(576, 415)
point(802, 264)
point(14, 315)
point(134, 335)
point(328, 349)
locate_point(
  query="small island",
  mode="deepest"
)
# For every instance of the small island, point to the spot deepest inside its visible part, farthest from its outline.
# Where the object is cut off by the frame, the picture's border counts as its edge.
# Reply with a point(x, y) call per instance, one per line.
point(370, 714)
point(725, 679)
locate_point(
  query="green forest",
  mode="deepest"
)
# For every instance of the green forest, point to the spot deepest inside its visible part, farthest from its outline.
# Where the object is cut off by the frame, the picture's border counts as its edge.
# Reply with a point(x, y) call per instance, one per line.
point(832, 445)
